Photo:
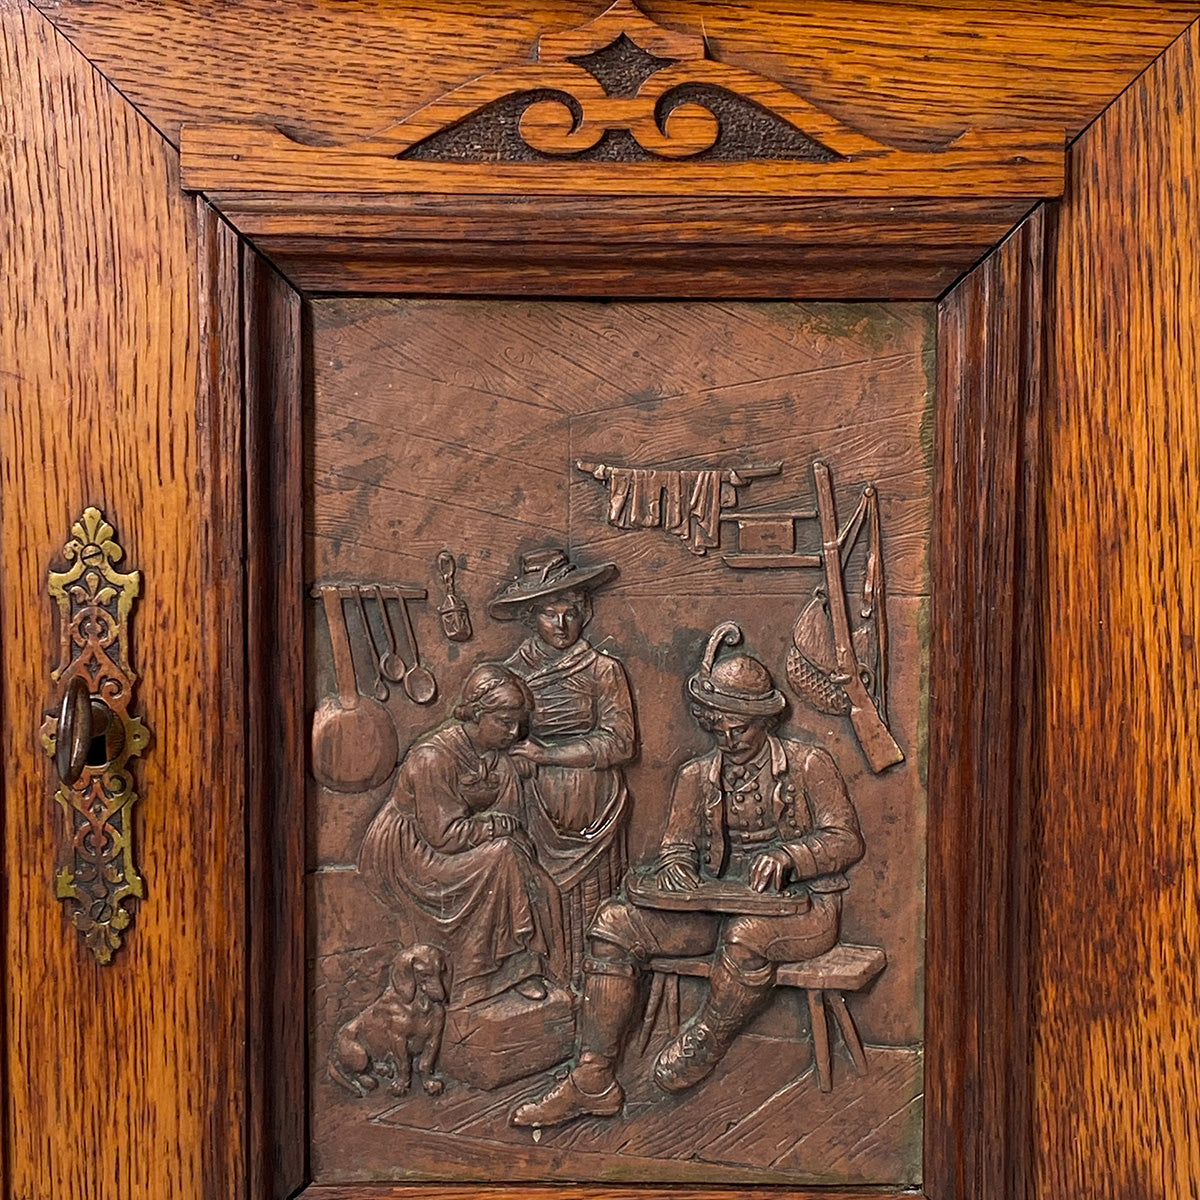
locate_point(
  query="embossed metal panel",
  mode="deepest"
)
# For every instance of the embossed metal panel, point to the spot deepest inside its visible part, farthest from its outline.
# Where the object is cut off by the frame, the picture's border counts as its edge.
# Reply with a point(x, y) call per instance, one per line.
point(662, 824)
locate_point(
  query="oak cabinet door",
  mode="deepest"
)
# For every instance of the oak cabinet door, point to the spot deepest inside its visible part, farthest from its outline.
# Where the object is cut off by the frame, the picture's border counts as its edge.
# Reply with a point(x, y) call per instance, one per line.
point(302, 298)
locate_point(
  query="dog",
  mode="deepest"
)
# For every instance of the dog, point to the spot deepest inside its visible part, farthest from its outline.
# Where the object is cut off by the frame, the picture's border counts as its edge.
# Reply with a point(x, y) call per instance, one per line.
point(404, 1023)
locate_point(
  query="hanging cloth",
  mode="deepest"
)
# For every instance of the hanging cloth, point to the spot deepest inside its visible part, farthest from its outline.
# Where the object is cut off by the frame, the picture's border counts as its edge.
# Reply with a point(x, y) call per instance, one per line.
point(686, 503)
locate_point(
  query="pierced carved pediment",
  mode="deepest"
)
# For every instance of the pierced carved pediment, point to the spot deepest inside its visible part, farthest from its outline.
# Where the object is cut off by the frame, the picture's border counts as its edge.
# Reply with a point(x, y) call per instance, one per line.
point(623, 89)
point(622, 105)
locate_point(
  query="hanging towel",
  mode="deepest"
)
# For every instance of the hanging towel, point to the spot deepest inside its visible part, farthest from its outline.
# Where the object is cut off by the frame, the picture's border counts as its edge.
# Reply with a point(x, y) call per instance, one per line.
point(687, 504)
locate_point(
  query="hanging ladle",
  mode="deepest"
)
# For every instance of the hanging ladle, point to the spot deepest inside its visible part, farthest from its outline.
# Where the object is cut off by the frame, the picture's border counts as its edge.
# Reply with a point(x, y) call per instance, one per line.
point(380, 689)
point(419, 682)
point(390, 664)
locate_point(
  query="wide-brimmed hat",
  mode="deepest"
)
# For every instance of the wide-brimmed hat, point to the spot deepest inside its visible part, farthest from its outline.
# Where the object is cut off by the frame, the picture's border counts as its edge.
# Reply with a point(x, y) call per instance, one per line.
point(546, 573)
point(739, 684)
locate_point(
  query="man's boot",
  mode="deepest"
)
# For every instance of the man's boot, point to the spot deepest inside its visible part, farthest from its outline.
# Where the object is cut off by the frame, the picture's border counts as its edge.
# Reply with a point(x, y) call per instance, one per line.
point(610, 994)
point(734, 996)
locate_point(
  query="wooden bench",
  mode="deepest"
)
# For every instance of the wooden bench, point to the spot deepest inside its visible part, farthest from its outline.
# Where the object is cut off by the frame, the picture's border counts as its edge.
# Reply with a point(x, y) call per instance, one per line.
point(825, 978)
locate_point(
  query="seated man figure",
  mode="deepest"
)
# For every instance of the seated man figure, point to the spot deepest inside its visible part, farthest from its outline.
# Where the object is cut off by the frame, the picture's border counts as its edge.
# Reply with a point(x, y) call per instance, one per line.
point(766, 810)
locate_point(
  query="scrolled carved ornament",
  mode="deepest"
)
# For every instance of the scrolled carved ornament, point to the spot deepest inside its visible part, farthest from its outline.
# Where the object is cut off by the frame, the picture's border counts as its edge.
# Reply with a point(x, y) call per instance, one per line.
point(619, 103)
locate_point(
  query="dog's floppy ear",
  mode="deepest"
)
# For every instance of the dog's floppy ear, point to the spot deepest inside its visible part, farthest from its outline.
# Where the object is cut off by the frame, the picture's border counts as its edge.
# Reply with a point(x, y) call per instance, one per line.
point(403, 977)
point(442, 965)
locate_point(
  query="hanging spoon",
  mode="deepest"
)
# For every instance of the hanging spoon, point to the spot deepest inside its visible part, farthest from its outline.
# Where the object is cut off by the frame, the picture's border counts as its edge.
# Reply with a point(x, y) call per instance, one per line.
point(419, 682)
point(391, 665)
point(380, 690)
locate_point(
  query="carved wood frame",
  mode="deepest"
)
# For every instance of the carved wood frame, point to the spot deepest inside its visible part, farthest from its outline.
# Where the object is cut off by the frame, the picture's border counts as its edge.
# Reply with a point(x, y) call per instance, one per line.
point(977, 1049)
point(685, 164)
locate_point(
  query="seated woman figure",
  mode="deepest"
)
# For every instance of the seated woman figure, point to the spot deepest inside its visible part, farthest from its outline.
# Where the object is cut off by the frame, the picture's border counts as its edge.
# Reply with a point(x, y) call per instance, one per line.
point(449, 855)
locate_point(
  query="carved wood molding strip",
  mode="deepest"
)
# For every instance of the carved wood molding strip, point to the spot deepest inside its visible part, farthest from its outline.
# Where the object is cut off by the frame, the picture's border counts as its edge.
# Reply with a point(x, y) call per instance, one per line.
point(622, 105)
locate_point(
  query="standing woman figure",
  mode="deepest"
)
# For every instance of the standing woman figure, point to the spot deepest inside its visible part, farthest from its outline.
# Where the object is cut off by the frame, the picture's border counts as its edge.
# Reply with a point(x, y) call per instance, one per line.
point(581, 733)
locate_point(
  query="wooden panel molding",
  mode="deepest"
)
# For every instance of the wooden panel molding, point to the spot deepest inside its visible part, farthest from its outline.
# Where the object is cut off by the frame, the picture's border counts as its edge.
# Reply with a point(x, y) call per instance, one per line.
point(912, 75)
point(273, 393)
point(984, 582)
point(624, 160)
point(425, 1191)
point(893, 248)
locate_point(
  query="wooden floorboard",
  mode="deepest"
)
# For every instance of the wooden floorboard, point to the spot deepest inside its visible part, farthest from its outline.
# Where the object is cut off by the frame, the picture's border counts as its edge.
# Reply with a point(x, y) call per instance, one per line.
point(762, 1111)
point(683, 1129)
point(460, 1109)
point(860, 1125)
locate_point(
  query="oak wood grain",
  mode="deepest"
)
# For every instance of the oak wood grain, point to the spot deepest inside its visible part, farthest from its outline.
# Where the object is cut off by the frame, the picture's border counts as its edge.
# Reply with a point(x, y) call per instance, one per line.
point(913, 75)
point(337, 69)
point(986, 164)
point(989, 401)
point(101, 330)
point(124, 1081)
point(1117, 991)
point(425, 1191)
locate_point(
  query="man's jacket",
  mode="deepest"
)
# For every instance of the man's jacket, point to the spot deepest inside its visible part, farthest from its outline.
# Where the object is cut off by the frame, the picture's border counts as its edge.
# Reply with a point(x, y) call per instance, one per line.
point(817, 824)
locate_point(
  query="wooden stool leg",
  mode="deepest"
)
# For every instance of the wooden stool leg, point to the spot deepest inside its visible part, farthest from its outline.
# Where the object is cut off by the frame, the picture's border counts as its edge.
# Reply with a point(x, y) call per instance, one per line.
point(820, 1036)
point(673, 1004)
point(845, 1021)
point(653, 1005)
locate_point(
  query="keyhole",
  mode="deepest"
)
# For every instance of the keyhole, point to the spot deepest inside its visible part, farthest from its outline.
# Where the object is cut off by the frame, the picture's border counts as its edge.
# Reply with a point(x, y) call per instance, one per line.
point(106, 740)
point(97, 754)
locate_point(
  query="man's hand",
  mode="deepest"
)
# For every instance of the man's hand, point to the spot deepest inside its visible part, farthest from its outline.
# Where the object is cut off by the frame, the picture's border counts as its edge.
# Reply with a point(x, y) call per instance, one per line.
point(677, 877)
point(770, 870)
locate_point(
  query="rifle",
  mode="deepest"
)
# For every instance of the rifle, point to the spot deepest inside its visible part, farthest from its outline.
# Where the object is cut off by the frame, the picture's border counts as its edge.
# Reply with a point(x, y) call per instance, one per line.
point(873, 735)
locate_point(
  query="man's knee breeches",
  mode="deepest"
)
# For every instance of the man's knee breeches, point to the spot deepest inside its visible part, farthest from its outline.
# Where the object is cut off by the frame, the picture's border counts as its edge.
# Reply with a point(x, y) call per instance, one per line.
point(623, 932)
point(786, 938)
point(616, 935)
